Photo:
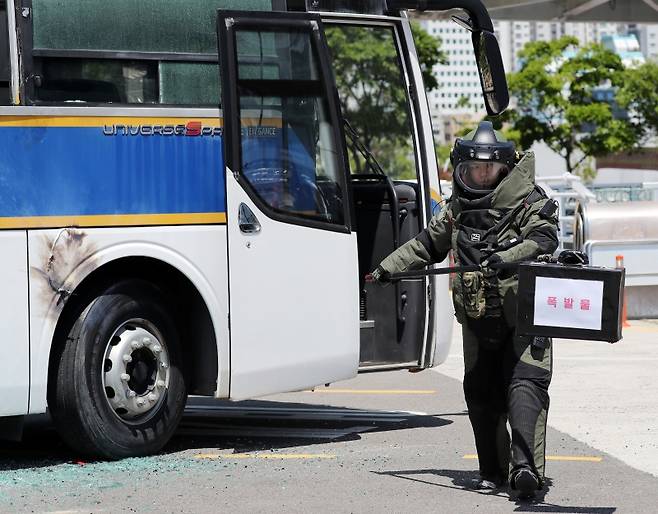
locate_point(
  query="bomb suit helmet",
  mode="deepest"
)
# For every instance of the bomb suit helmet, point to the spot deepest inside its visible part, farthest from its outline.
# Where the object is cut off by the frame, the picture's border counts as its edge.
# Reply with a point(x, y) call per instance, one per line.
point(482, 159)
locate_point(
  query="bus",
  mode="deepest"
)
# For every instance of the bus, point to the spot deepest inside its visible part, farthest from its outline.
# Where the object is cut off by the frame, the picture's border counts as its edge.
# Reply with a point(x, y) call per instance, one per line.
point(191, 197)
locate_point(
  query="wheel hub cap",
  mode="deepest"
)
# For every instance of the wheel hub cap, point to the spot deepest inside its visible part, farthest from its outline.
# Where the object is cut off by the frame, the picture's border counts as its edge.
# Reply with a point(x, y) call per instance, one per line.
point(135, 371)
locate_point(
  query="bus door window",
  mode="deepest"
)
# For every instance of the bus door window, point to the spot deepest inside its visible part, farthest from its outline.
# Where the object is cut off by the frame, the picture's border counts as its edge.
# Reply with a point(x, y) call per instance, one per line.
point(289, 156)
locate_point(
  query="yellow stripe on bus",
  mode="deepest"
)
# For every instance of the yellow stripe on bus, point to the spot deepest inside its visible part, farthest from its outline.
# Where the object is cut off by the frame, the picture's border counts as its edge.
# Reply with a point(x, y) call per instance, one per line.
point(97, 121)
point(102, 121)
point(114, 220)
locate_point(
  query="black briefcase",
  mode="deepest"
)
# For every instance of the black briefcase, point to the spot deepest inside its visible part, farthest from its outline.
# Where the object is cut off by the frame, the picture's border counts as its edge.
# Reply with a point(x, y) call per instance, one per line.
point(572, 302)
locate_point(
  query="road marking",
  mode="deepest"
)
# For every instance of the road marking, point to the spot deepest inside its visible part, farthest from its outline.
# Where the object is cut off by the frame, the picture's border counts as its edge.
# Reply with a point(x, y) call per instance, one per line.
point(372, 391)
point(564, 458)
point(277, 456)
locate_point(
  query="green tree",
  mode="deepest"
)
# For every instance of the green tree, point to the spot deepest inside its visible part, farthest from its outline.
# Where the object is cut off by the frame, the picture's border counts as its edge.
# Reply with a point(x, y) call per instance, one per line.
point(443, 153)
point(639, 94)
point(556, 102)
point(372, 90)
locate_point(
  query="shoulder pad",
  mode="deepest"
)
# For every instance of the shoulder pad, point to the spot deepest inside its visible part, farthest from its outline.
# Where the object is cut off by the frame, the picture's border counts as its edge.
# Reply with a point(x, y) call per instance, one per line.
point(548, 210)
point(535, 195)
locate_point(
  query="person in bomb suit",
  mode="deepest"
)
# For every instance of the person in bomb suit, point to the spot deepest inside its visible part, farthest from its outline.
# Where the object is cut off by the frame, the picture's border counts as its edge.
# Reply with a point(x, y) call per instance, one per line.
point(497, 215)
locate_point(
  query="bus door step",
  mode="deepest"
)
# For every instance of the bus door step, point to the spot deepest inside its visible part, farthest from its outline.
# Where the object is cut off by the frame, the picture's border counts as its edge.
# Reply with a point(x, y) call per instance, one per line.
point(367, 340)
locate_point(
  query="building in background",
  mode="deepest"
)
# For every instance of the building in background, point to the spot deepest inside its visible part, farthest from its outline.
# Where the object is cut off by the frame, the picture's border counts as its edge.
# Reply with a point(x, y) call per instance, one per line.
point(647, 35)
point(458, 101)
point(513, 36)
point(627, 47)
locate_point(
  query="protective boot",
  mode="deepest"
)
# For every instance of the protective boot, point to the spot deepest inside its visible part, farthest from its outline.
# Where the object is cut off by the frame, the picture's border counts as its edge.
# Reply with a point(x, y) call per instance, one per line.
point(526, 483)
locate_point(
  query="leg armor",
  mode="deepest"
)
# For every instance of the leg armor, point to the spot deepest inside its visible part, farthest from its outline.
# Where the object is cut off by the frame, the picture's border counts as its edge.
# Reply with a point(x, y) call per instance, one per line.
point(529, 362)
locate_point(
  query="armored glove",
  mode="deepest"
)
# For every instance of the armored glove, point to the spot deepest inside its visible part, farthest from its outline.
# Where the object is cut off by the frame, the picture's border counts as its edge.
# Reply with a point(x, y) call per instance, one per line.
point(573, 258)
point(547, 258)
point(379, 275)
point(494, 258)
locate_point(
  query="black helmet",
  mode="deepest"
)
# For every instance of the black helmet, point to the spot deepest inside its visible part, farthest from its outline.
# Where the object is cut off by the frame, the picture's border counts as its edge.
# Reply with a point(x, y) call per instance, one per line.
point(481, 159)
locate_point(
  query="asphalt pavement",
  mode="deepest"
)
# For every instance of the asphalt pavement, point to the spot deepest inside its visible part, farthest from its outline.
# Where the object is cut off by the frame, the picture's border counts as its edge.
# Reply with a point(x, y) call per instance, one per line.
point(384, 442)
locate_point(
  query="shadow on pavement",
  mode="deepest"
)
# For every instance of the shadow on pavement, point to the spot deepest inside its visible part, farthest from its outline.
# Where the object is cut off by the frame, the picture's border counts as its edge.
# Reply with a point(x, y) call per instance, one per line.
point(40, 447)
point(239, 426)
point(462, 480)
point(549, 507)
point(258, 425)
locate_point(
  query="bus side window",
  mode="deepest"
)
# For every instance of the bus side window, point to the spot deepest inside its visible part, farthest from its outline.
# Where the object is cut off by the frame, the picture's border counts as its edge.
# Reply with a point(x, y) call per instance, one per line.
point(191, 83)
point(96, 81)
point(127, 52)
point(5, 94)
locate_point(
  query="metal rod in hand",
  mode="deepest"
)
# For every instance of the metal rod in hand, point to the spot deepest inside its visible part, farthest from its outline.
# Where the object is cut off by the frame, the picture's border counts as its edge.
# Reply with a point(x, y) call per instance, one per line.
point(406, 275)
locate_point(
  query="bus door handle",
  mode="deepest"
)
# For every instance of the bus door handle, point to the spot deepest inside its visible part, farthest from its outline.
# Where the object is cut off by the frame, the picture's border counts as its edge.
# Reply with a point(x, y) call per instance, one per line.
point(247, 221)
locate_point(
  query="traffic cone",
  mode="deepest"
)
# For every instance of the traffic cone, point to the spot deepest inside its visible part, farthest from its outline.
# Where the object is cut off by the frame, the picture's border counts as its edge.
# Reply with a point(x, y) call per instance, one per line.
point(624, 314)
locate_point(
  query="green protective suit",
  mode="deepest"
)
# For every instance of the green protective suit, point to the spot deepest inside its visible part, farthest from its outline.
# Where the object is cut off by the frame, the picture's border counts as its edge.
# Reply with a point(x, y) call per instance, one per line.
point(506, 375)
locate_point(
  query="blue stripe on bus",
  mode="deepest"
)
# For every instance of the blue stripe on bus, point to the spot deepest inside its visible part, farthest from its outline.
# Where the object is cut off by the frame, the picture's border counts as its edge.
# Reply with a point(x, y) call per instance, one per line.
point(69, 171)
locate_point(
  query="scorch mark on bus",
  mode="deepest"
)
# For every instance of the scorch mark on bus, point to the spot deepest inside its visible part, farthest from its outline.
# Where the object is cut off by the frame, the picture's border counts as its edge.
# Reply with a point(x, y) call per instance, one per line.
point(60, 256)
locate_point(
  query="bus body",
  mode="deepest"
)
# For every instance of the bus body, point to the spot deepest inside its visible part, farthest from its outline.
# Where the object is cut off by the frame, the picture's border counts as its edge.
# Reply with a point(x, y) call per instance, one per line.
point(167, 229)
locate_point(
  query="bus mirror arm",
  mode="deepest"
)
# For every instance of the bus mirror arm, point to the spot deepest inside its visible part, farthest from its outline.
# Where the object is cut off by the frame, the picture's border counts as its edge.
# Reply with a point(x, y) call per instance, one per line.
point(478, 13)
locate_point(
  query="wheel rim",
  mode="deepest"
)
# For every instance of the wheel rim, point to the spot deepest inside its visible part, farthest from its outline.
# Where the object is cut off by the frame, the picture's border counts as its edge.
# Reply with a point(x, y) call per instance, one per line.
point(135, 371)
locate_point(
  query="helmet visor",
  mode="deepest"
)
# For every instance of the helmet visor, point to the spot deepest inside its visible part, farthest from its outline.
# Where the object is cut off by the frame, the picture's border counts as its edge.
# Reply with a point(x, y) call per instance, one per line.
point(481, 175)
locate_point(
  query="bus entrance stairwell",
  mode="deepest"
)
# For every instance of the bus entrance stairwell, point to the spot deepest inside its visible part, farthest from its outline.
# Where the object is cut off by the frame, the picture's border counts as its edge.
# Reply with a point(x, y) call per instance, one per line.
point(385, 187)
point(391, 318)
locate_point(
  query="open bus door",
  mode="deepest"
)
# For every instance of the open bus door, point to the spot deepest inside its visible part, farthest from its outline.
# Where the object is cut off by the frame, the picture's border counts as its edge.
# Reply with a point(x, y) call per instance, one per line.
point(293, 265)
point(303, 230)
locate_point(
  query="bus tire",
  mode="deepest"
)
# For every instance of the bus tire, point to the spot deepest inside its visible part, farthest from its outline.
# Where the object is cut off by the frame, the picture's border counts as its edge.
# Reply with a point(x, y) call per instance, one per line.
point(118, 389)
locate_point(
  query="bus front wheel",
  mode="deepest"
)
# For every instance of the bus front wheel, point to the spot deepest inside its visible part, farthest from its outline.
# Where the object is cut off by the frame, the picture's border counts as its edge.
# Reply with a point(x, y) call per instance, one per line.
point(118, 389)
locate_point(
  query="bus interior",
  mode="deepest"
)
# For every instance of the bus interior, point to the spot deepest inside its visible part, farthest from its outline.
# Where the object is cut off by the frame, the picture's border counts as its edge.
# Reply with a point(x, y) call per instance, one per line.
point(385, 178)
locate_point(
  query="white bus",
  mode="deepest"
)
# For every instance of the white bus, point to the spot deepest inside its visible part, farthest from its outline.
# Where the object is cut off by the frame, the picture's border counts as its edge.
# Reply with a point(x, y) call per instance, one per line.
point(166, 232)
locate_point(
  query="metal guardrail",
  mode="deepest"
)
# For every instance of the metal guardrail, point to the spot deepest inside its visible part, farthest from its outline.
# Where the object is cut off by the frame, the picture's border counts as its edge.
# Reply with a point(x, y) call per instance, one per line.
point(644, 192)
point(639, 258)
point(568, 190)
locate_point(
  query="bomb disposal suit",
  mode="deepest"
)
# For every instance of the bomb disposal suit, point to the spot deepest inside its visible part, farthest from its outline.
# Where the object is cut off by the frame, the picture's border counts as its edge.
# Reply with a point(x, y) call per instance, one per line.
point(496, 215)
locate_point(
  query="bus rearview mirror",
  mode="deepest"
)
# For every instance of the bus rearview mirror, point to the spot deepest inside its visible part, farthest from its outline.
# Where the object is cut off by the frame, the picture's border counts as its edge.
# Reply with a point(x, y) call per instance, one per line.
point(492, 73)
